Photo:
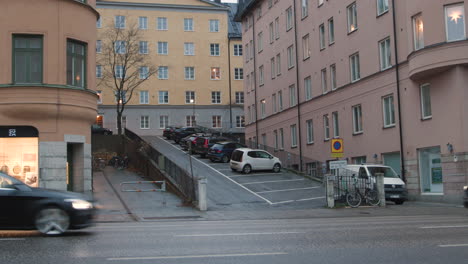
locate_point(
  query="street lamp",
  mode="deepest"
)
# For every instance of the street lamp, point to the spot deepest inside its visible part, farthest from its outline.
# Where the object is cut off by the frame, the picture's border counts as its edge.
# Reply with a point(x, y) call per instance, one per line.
point(192, 101)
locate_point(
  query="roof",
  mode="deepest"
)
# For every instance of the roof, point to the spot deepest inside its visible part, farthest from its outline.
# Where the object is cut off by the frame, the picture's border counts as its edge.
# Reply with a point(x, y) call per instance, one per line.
point(244, 8)
point(235, 28)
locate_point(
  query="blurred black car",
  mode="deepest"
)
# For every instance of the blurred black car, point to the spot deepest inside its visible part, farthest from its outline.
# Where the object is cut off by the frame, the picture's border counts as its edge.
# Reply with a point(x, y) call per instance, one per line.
point(188, 142)
point(465, 197)
point(202, 144)
point(97, 129)
point(185, 131)
point(169, 132)
point(50, 212)
point(222, 151)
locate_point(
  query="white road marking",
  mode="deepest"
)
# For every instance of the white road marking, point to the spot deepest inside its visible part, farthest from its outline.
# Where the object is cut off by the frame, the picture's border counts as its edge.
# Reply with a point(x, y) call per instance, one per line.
point(272, 181)
point(202, 256)
point(454, 245)
point(255, 174)
point(12, 239)
point(287, 190)
point(238, 234)
point(300, 200)
point(435, 227)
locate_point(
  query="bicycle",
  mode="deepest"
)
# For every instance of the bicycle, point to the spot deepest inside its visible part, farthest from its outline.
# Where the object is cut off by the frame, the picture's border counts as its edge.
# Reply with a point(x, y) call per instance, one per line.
point(354, 199)
point(99, 164)
point(120, 163)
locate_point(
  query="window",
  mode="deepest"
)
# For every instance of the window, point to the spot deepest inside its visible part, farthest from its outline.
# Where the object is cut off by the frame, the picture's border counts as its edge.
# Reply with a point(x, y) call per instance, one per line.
point(144, 97)
point(357, 119)
point(247, 54)
point(359, 160)
point(261, 75)
point(189, 49)
point(249, 114)
point(382, 6)
point(326, 127)
point(292, 95)
point(331, 31)
point(215, 73)
point(260, 42)
point(144, 71)
point(99, 23)
point(144, 122)
point(99, 94)
point(320, 2)
point(278, 64)
point(252, 51)
point(214, 25)
point(352, 17)
point(142, 23)
point(311, 169)
point(308, 88)
point(98, 71)
point(143, 47)
point(119, 71)
point(455, 22)
point(333, 76)
point(119, 22)
point(277, 28)
point(120, 96)
point(120, 47)
point(216, 121)
point(304, 8)
point(270, 3)
point(275, 135)
point(214, 49)
point(162, 23)
point(305, 47)
point(322, 36)
point(290, 56)
point(259, 12)
point(239, 97)
point(293, 136)
point(98, 46)
point(162, 48)
point(418, 32)
point(426, 101)
point(281, 138)
point(289, 19)
point(385, 56)
point(240, 121)
point(271, 31)
point(323, 75)
point(388, 111)
point(336, 125)
point(264, 141)
point(76, 63)
point(280, 101)
point(163, 97)
point(216, 97)
point(188, 24)
point(190, 121)
point(237, 49)
point(189, 97)
point(272, 68)
point(354, 66)
point(274, 104)
point(263, 108)
point(189, 73)
point(238, 73)
point(163, 121)
point(163, 73)
point(310, 131)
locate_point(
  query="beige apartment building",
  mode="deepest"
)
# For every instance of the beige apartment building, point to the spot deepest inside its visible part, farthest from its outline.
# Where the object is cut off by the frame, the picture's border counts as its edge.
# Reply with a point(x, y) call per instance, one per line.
point(387, 77)
point(47, 91)
point(197, 49)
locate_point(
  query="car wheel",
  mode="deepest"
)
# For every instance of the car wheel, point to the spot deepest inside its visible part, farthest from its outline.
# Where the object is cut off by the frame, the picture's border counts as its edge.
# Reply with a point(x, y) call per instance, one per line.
point(276, 168)
point(212, 160)
point(247, 169)
point(233, 169)
point(202, 156)
point(52, 221)
point(399, 201)
point(225, 159)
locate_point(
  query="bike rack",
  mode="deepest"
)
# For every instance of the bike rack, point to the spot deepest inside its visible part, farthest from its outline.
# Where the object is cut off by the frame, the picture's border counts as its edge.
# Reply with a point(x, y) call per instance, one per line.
point(162, 189)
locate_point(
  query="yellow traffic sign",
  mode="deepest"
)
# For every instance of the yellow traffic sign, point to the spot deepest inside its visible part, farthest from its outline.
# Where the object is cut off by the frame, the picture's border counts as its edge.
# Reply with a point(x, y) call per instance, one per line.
point(337, 145)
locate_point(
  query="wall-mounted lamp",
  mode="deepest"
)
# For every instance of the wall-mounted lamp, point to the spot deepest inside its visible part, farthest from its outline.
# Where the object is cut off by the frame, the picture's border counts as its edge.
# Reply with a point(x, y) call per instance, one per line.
point(450, 147)
point(375, 156)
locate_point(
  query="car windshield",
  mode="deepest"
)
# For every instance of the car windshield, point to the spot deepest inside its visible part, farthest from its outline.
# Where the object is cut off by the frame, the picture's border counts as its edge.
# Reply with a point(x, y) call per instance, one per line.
point(6, 180)
point(388, 172)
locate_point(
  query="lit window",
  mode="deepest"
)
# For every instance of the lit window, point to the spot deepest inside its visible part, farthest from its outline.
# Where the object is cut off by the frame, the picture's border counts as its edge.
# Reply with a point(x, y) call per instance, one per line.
point(418, 32)
point(76, 63)
point(352, 17)
point(215, 73)
point(455, 22)
point(305, 47)
point(189, 97)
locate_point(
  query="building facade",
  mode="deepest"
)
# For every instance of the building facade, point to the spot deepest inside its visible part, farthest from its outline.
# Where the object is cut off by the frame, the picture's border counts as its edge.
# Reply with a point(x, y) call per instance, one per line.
point(197, 49)
point(387, 77)
point(47, 97)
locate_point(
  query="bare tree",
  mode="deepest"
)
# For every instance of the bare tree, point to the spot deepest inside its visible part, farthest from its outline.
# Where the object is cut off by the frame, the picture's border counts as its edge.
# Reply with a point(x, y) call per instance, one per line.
point(124, 67)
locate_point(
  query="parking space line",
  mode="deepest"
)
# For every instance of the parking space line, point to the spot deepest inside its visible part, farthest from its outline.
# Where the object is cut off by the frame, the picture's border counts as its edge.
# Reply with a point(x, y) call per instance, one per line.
point(300, 200)
point(272, 181)
point(253, 174)
point(287, 190)
point(454, 245)
point(12, 239)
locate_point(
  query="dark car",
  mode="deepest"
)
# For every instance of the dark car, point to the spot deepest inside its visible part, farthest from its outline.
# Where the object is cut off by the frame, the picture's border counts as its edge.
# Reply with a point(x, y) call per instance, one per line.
point(188, 142)
point(169, 131)
point(465, 198)
point(202, 144)
point(97, 129)
point(50, 212)
point(183, 132)
point(222, 151)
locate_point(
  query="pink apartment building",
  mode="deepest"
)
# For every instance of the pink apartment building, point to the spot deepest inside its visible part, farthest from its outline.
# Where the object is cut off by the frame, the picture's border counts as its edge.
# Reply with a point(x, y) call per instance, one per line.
point(387, 77)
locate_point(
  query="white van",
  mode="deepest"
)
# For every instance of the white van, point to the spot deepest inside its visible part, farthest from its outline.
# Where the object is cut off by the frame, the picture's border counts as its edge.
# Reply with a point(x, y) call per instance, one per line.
point(395, 188)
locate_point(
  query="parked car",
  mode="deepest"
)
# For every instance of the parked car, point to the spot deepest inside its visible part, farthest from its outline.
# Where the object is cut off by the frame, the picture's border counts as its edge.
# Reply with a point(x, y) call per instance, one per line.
point(50, 212)
point(188, 142)
point(183, 132)
point(465, 199)
point(248, 160)
point(169, 131)
point(97, 129)
point(203, 144)
point(222, 151)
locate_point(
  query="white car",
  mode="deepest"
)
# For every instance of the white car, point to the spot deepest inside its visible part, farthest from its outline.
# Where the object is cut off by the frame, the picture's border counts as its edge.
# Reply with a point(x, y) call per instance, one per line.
point(247, 160)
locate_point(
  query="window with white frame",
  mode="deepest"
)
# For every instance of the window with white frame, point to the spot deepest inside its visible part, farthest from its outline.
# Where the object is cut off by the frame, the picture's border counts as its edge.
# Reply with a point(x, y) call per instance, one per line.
point(293, 136)
point(99, 23)
point(280, 101)
point(274, 103)
point(326, 127)
point(357, 119)
point(275, 136)
point(120, 96)
point(333, 76)
point(252, 50)
point(240, 121)
point(143, 47)
point(239, 97)
point(418, 32)
point(426, 110)
point(320, 3)
point(163, 97)
point(291, 56)
point(272, 68)
point(190, 121)
point(304, 8)
point(277, 24)
point(216, 97)
point(119, 71)
point(98, 46)
point(261, 75)
point(271, 32)
point(385, 55)
point(214, 49)
point(259, 12)
point(142, 23)
point(189, 97)
point(305, 47)
point(215, 73)
point(249, 114)
point(163, 48)
point(163, 72)
point(278, 64)
point(311, 169)
point(308, 88)
point(189, 73)
point(264, 141)
point(188, 24)
point(189, 49)
point(351, 11)
point(120, 47)
point(263, 108)
point(98, 71)
point(214, 25)
point(144, 72)
point(270, 3)
point(281, 138)
point(247, 54)
point(289, 18)
point(354, 67)
point(455, 22)
point(322, 36)
point(162, 23)
point(323, 74)
point(237, 49)
point(144, 122)
point(216, 121)
point(144, 97)
point(336, 125)
point(260, 42)
point(382, 7)
point(331, 31)
point(238, 73)
point(119, 22)
point(99, 94)
point(310, 131)
point(292, 95)
point(388, 111)
point(163, 121)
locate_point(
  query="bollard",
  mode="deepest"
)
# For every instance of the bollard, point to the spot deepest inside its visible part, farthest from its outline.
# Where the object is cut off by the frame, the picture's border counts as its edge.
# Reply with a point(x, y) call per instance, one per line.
point(202, 201)
point(330, 191)
point(380, 188)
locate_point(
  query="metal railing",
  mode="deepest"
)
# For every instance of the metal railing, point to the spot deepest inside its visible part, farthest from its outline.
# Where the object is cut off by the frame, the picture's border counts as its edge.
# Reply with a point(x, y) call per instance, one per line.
point(346, 184)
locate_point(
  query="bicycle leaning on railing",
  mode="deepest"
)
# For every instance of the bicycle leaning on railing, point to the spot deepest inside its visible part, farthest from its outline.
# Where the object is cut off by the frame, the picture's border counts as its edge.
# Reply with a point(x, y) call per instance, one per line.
point(98, 164)
point(370, 195)
point(119, 163)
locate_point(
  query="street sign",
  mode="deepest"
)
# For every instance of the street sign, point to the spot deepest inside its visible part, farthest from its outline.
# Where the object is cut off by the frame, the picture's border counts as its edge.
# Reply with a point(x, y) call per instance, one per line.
point(337, 145)
point(337, 155)
point(338, 164)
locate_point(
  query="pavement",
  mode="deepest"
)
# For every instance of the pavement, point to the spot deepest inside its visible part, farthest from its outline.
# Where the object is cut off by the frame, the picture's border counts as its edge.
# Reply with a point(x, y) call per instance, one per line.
point(117, 205)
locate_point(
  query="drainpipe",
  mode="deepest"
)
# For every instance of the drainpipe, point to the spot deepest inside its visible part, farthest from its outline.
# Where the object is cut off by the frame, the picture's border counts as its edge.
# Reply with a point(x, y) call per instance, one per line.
point(397, 76)
point(297, 88)
point(230, 82)
point(255, 77)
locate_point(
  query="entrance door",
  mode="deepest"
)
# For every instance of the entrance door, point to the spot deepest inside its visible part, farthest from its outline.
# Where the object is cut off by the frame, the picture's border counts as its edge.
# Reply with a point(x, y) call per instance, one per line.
point(430, 170)
point(393, 160)
point(69, 167)
point(436, 173)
